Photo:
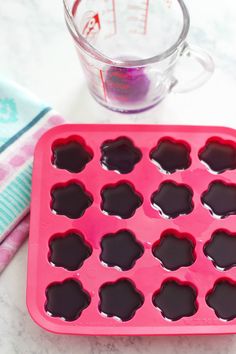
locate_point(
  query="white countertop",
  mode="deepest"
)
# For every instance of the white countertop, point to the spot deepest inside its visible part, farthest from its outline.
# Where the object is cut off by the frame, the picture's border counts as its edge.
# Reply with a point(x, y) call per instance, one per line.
point(36, 51)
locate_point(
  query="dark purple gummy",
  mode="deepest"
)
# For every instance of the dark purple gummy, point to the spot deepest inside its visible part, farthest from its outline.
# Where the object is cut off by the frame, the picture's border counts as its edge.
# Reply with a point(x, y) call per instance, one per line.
point(120, 300)
point(222, 299)
point(120, 155)
point(71, 200)
point(174, 252)
point(71, 156)
point(219, 157)
point(66, 300)
point(121, 250)
point(171, 156)
point(221, 249)
point(69, 251)
point(173, 200)
point(175, 300)
point(120, 200)
point(220, 199)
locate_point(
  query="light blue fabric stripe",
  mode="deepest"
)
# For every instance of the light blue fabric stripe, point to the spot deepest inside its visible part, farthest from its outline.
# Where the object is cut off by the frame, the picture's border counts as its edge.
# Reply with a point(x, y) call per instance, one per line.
point(25, 129)
point(11, 196)
point(19, 112)
point(15, 198)
point(23, 183)
point(10, 202)
point(17, 191)
point(3, 221)
point(22, 192)
point(11, 209)
point(4, 215)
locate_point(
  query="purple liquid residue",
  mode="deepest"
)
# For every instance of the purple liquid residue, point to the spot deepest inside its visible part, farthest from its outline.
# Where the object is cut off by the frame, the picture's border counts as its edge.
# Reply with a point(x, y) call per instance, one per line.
point(127, 84)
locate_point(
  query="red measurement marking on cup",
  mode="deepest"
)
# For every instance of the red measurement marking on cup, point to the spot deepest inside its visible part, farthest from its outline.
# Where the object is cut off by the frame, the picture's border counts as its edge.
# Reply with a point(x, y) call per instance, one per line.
point(114, 15)
point(138, 17)
point(103, 84)
point(92, 26)
point(146, 17)
point(109, 17)
point(75, 7)
point(95, 77)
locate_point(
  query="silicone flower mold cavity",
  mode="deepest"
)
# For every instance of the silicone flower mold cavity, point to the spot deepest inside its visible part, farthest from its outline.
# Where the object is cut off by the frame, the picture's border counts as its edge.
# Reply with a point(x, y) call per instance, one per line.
point(173, 200)
point(174, 250)
point(66, 300)
point(222, 299)
point(120, 155)
point(171, 155)
point(69, 251)
point(71, 154)
point(120, 250)
point(218, 155)
point(120, 300)
point(120, 200)
point(221, 249)
point(220, 199)
point(70, 200)
point(175, 300)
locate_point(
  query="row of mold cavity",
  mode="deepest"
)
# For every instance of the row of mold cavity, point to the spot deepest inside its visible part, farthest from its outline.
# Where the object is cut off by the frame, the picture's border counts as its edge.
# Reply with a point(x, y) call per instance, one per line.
point(121, 155)
point(122, 250)
point(121, 299)
point(122, 200)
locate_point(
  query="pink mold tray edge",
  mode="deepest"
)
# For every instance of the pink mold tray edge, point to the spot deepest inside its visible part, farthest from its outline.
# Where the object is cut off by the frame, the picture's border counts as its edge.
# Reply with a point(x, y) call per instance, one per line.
point(147, 274)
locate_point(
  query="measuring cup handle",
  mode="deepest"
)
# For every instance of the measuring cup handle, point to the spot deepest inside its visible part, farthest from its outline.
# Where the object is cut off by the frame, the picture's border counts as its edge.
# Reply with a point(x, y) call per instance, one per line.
point(207, 64)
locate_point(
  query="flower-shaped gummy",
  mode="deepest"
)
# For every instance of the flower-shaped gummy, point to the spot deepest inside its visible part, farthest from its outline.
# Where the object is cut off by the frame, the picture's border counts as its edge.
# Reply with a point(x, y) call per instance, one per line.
point(71, 155)
point(175, 300)
point(221, 249)
point(173, 200)
point(71, 200)
point(220, 199)
point(69, 251)
point(66, 300)
point(120, 300)
point(174, 251)
point(121, 250)
point(120, 155)
point(222, 299)
point(171, 156)
point(219, 156)
point(120, 200)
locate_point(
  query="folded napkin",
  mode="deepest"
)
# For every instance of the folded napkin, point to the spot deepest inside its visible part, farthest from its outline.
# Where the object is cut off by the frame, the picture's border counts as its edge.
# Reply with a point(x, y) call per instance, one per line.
point(23, 119)
point(12, 242)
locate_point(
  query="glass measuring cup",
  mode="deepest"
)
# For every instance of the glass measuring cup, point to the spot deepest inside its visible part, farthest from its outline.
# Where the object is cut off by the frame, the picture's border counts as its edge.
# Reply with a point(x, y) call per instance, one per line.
point(130, 50)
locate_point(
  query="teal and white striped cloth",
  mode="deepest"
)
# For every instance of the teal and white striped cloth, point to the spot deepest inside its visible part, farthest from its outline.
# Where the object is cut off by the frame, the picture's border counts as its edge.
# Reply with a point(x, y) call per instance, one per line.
point(19, 111)
point(15, 200)
point(23, 119)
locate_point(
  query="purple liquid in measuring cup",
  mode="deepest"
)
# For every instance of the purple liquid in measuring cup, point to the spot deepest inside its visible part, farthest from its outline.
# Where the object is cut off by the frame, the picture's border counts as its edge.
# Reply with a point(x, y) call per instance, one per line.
point(127, 84)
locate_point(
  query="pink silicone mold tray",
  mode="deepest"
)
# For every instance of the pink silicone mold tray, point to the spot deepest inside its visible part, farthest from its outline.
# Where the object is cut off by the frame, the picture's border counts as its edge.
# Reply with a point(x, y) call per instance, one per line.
point(133, 230)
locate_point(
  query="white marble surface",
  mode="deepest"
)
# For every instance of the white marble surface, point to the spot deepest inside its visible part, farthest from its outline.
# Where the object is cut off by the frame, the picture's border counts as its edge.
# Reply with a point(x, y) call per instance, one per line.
point(36, 51)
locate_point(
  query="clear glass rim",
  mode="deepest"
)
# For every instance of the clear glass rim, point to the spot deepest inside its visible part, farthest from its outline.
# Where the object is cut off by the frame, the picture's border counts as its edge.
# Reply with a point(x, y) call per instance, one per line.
point(98, 55)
